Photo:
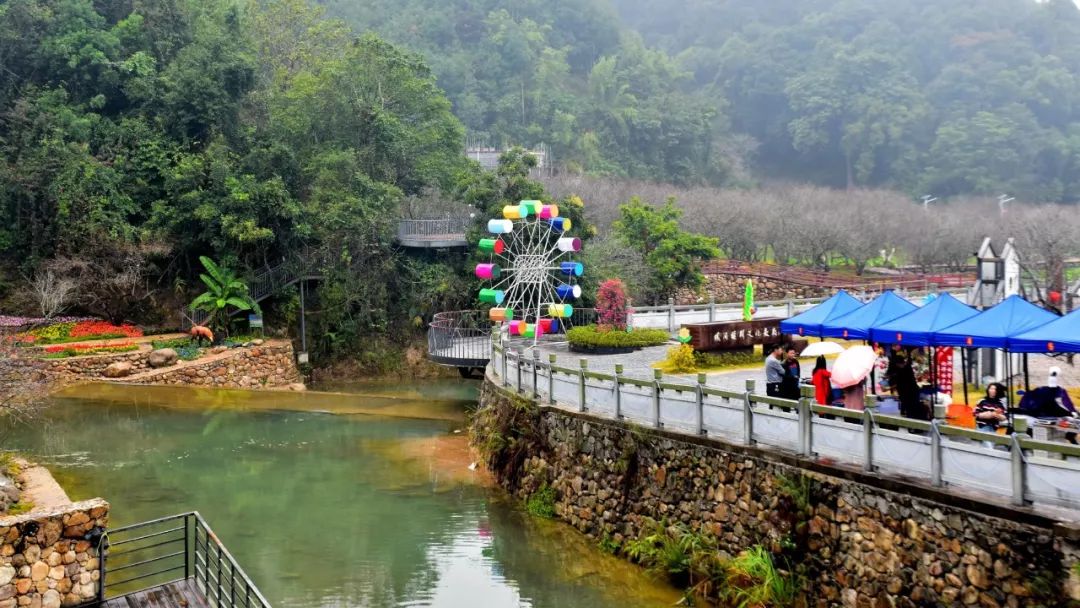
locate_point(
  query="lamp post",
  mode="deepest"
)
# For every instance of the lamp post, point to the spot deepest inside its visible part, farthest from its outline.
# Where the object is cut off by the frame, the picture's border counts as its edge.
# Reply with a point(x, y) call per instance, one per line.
point(926, 200)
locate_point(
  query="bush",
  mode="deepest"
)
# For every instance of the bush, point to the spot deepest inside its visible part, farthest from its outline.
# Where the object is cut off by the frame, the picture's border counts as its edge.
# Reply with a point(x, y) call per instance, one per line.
point(542, 502)
point(683, 359)
point(754, 580)
point(592, 336)
point(680, 359)
point(174, 343)
point(611, 306)
point(75, 350)
point(189, 352)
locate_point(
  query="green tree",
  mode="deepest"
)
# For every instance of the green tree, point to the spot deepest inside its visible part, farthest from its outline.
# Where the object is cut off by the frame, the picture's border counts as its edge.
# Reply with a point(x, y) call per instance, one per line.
point(673, 254)
point(224, 294)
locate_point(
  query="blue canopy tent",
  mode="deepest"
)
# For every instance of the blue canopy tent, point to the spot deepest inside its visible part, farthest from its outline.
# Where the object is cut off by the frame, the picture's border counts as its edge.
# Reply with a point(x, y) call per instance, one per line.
point(856, 324)
point(1061, 335)
point(809, 323)
point(995, 327)
point(917, 328)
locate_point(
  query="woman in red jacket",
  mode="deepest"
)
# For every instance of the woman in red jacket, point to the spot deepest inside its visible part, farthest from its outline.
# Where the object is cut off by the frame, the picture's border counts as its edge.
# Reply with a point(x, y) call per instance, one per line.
point(822, 384)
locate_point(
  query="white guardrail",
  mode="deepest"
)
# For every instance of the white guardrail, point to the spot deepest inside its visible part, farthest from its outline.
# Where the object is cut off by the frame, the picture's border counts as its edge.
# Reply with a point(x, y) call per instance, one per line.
point(1015, 467)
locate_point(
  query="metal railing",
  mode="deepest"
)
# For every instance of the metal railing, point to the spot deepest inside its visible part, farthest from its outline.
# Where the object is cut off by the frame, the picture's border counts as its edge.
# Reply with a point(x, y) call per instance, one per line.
point(434, 228)
point(1016, 467)
point(460, 337)
point(170, 549)
point(267, 282)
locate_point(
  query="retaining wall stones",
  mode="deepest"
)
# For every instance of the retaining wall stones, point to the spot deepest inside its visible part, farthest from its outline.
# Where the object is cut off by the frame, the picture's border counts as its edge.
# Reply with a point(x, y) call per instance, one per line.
point(92, 367)
point(45, 561)
point(866, 542)
point(266, 366)
point(732, 287)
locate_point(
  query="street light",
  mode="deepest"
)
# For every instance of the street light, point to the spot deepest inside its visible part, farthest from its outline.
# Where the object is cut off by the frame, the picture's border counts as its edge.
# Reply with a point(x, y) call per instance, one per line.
point(1004, 198)
point(926, 200)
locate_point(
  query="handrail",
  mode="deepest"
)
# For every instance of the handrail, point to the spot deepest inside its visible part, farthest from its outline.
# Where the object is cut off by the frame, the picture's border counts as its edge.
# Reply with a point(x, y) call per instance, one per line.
point(184, 547)
point(1037, 470)
point(433, 227)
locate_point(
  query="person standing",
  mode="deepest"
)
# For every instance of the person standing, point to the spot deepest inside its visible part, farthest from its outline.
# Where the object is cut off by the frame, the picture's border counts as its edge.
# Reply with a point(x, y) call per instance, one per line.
point(774, 371)
point(822, 382)
point(902, 380)
point(792, 374)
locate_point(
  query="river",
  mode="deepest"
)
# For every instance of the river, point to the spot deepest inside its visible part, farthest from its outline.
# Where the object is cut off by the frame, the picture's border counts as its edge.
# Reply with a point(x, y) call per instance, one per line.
point(360, 499)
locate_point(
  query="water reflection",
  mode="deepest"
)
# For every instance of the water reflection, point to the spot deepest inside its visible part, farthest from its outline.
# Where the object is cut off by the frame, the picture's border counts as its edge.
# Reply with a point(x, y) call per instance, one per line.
point(324, 510)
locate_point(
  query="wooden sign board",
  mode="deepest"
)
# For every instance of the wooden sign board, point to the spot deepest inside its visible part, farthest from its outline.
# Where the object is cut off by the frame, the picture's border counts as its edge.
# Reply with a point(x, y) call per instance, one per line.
point(255, 321)
point(732, 335)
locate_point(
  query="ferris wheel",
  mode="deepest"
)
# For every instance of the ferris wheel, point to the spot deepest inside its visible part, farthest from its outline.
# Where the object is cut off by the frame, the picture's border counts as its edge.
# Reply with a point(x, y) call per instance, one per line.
point(531, 274)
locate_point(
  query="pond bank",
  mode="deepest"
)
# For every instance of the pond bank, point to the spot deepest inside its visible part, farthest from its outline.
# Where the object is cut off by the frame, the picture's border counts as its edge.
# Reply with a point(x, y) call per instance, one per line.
point(273, 472)
point(857, 539)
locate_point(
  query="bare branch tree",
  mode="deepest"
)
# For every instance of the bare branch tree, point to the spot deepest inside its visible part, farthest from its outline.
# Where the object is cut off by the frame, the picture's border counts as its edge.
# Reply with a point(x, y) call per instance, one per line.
point(52, 293)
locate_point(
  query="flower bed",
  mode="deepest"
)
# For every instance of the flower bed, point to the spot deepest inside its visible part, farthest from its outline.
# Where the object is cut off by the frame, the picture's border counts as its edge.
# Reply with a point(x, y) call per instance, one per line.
point(592, 339)
point(63, 351)
point(77, 331)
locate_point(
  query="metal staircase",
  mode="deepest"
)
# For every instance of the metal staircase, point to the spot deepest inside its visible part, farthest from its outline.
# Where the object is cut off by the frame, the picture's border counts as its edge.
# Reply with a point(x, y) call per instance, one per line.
point(269, 281)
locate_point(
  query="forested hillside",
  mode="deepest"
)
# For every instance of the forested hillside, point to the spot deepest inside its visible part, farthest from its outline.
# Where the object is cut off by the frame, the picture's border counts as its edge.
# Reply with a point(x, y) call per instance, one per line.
point(919, 95)
point(138, 135)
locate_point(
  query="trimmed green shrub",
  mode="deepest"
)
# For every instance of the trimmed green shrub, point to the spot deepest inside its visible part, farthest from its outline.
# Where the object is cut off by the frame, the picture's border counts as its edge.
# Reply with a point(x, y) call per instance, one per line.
point(592, 336)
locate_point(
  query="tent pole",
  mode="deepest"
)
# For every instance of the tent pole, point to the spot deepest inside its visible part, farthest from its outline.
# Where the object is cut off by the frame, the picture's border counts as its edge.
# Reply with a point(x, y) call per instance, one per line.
point(964, 371)
point(1027, 376)
point(1009, 387)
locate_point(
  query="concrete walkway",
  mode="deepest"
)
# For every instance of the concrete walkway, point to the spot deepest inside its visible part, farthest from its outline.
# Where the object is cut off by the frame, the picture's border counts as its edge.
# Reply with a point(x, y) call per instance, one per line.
point(638, 364)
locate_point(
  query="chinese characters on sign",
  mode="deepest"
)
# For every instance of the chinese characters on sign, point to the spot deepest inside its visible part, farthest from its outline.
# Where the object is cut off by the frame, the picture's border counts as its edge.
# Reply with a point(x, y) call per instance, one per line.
point(734, 334)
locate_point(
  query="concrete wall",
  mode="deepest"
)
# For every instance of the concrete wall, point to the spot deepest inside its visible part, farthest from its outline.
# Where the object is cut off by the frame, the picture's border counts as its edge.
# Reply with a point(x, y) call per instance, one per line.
point(868, 541)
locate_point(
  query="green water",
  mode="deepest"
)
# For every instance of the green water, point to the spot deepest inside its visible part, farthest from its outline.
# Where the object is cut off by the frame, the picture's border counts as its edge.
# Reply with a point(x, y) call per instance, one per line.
point(327, 509)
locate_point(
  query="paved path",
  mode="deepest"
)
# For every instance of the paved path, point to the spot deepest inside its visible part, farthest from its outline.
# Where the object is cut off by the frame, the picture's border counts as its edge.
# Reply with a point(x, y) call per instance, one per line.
point(639, 365)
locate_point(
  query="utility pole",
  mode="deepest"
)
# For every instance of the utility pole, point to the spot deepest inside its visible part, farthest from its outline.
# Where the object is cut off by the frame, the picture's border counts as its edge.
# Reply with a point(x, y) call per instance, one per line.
point(1004, 198)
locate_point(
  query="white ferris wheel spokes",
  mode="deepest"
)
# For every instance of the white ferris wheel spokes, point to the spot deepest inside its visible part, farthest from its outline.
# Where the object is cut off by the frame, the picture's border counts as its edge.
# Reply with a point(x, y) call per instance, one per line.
point(531, 273)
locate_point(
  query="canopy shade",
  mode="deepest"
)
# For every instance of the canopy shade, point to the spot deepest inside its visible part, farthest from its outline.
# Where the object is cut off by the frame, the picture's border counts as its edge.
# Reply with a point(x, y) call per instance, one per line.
point(809, 322)
point(993, 327)
point(856, 324)
point(1059, 336)
point(917, 327)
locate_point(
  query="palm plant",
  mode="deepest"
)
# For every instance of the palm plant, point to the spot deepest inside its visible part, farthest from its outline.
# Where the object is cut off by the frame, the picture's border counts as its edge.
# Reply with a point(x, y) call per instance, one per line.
point(224, 290)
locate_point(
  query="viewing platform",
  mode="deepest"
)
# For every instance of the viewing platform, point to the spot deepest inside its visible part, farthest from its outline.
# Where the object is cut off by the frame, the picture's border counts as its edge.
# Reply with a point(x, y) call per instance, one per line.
point(174, 561)
point(434, 233)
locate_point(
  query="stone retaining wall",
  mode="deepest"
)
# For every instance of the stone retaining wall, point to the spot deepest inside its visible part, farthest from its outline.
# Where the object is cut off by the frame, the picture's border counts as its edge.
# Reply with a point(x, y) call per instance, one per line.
point(92, 367)
point(45, 562)
point(267, 366)
point(866, 542)
point(732, 287)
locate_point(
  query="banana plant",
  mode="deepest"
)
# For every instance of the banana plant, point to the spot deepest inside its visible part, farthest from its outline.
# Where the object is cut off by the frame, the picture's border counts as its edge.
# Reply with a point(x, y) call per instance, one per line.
point(224, 291)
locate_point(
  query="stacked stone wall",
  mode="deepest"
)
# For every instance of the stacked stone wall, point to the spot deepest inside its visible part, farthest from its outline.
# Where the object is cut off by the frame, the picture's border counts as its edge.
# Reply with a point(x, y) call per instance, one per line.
point(265, 366)
point(866, 541)
point(731, 288)
point(45, 559)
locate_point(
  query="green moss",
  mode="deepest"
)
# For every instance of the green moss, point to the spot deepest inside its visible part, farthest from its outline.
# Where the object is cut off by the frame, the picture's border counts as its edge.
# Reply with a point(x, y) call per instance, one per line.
point(20, 507)
point(592, 337)
point(542, 502)
point(609, 545)
point(9, 466)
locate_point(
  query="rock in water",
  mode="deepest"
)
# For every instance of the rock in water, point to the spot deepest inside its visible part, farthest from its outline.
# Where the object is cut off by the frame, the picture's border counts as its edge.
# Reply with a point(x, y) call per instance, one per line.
point(162, 357)
point(118, 369)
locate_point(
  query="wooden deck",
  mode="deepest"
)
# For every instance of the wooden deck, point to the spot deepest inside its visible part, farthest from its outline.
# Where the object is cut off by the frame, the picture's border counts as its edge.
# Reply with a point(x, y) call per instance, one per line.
point(179, 594)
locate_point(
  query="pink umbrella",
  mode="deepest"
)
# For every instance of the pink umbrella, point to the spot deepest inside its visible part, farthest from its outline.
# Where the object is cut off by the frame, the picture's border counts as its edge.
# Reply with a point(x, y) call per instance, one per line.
point(853, 365)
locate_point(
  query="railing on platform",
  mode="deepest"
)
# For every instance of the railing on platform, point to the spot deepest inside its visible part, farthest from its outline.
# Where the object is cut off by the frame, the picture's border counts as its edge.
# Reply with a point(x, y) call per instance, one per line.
point(1016, 467)
point(170, 549)
point(460, 338)
point(434, 227)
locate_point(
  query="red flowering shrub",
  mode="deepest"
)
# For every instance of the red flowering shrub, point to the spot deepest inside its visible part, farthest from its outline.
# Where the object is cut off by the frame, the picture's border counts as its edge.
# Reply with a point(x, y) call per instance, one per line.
point(104, 329)
point(611, 309)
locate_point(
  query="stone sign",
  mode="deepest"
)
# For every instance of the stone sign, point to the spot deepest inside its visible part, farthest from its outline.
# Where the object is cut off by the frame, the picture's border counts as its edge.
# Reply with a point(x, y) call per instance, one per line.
point(731, 335)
